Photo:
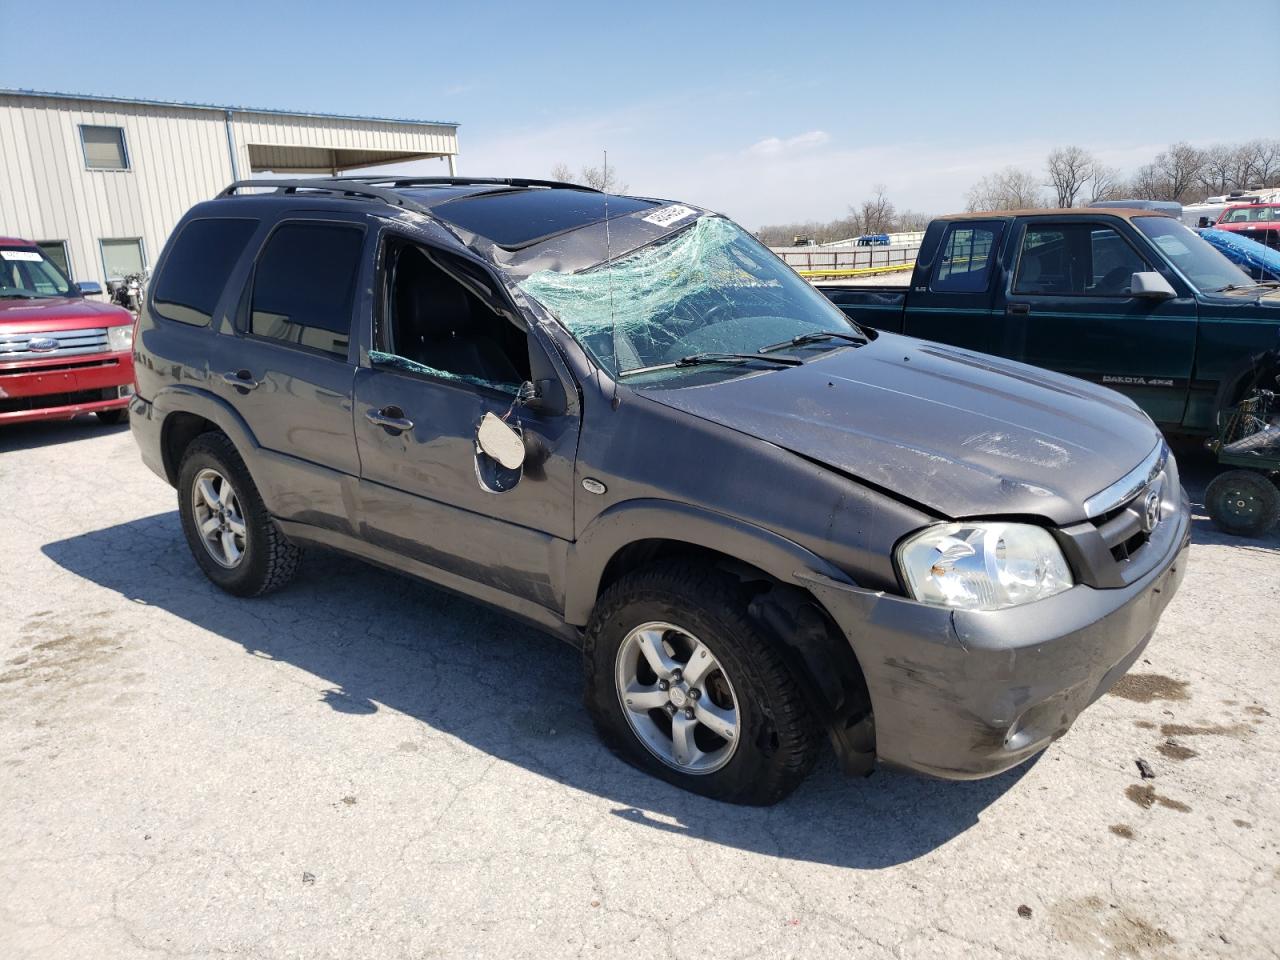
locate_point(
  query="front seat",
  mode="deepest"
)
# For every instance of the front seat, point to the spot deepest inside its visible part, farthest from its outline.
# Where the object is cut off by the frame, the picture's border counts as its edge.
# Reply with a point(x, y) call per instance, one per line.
point(435, 326)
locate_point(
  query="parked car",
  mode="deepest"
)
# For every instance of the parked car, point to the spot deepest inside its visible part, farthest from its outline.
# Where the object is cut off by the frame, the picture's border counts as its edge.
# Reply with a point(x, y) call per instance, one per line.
point(1257, 221)
point(626, 422)
point(60, 354)
point(1131, 299)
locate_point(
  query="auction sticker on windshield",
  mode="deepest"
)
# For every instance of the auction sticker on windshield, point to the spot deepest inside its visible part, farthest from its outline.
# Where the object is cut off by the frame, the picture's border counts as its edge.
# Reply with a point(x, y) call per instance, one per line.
point(666, 216)
point(21, 255)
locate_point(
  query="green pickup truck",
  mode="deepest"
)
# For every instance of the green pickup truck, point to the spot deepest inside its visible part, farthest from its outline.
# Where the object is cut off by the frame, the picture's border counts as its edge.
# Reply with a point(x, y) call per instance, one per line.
point(1126, 298)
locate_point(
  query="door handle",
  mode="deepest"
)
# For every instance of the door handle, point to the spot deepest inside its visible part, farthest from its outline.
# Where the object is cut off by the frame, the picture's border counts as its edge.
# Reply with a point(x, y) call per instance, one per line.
point(241, 379)
point(1018, 309)
point(390, 419)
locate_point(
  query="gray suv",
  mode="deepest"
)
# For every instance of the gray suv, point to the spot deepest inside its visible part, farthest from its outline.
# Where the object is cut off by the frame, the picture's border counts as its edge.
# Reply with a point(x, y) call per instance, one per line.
point(626, 422)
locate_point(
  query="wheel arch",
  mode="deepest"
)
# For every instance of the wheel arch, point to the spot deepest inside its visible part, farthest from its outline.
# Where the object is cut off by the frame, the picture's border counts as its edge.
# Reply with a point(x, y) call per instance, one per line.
point(185, 413)
point(630, 536)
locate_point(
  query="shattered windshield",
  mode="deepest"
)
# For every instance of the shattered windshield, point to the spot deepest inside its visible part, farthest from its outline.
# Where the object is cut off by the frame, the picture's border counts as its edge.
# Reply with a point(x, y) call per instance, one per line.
point(709, 288)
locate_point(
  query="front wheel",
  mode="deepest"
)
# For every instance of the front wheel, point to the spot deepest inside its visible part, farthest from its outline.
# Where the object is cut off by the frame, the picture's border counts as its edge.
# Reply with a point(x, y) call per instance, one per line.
point(1243, 502)
point(685, 685)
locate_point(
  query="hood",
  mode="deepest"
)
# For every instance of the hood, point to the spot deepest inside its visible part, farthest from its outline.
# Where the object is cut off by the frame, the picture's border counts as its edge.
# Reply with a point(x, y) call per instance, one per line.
point(60, 313)
point(962, 434)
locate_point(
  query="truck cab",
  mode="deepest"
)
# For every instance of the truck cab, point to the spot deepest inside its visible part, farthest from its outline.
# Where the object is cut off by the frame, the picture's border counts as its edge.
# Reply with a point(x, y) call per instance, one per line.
point(1128, 298)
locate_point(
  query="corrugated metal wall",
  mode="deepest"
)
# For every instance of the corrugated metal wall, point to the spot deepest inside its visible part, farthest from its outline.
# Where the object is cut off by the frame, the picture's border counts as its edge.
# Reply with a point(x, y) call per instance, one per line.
point(177, 157)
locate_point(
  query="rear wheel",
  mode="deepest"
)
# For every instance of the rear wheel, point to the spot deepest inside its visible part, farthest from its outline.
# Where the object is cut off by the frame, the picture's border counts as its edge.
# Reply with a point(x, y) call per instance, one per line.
point(232, 537)
point(112, 417)
point(1243, 502)
point(684, 684)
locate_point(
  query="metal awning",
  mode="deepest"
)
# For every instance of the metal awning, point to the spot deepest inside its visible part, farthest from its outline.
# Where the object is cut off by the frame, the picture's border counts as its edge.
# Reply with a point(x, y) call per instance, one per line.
point(294, 159)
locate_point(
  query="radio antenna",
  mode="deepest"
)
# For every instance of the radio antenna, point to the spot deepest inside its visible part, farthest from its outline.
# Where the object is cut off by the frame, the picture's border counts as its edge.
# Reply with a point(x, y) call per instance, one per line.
point(608, 269)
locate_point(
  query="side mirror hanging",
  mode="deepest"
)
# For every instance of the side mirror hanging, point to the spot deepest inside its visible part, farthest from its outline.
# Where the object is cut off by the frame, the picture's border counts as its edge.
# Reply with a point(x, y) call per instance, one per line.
point(497, 440)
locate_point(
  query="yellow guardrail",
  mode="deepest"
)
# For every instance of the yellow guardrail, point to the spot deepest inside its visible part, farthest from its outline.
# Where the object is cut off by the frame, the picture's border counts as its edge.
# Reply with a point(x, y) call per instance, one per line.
point(859, 272)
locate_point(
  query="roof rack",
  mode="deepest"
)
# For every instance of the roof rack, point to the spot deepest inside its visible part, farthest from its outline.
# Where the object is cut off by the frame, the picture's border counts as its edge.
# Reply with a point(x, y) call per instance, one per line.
point(396, 181)
point(343, 188)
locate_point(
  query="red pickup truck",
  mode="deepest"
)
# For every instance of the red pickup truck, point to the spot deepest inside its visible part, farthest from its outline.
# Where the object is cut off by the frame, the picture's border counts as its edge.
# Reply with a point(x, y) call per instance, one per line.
point(60, 354)
point(1257, 221)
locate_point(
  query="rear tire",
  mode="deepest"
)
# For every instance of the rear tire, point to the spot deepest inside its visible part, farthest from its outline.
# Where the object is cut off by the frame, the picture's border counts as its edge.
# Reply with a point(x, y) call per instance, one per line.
point(1243, 502)
point(737, 731)
point(111, 418)
point(232, 537)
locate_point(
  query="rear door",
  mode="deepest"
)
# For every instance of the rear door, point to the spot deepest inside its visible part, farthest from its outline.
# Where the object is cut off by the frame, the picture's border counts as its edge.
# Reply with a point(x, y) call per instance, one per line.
point(287, 367)
point(956, 306)
point(1069, 309)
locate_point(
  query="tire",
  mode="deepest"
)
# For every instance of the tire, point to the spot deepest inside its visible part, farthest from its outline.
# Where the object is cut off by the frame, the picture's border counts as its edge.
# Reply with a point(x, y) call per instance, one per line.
point(260, 559)
point(679, 605)
point(1243, 502)
point(112, 418)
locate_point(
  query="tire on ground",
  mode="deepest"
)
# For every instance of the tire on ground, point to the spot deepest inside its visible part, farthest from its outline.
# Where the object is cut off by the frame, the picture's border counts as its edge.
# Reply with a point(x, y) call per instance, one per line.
point(269, 560)
point(1243, 502)
point(778, 740)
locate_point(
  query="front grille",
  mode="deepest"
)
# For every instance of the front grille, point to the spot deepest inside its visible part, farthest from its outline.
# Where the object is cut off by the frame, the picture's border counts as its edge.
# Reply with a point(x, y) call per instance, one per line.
point(66, 343)
point(58, 367)
point(1111, 548)
point(47, 400)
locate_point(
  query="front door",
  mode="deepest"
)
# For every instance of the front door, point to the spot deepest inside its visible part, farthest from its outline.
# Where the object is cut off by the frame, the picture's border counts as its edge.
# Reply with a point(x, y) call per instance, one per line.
point(443, 358)
point(1069, 309)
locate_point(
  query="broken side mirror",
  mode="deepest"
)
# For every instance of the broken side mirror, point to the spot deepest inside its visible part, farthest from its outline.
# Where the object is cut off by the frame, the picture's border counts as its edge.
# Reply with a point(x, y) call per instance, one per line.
point(1150, 285)
point(500, 441)
point(544, 396)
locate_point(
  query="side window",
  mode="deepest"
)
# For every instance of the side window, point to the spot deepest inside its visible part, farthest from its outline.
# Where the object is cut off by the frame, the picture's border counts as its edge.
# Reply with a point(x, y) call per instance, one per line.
point(197, 268)
point(1075, 259)
point(964, 262)
point(439, 328)
point(304, 286)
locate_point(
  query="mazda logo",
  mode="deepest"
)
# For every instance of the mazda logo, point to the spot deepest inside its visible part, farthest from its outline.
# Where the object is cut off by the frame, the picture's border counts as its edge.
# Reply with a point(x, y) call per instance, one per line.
point(1151, 509)
point(42, 345)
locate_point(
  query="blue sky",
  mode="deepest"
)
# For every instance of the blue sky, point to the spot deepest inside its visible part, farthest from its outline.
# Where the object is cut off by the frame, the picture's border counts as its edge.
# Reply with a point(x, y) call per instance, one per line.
point(767, 111)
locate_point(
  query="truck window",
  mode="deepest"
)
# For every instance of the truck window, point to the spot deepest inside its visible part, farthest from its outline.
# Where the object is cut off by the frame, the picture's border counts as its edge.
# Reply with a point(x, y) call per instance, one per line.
point(964, 265)
point(197, 266)
point(304, 285)
point(1076, 259)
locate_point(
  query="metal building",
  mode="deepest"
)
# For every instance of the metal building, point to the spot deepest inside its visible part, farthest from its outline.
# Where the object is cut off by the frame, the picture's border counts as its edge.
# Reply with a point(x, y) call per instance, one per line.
point(100, 182)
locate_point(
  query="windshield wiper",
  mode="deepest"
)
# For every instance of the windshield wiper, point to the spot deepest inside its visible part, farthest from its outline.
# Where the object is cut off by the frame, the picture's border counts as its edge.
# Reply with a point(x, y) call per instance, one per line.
point(815, 337)
point(18, 295)
point(699, 359)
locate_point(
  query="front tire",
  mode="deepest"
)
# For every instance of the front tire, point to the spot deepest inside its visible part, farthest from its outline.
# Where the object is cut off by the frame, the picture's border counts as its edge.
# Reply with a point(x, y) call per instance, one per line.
point(232, 537)
point(683, 684)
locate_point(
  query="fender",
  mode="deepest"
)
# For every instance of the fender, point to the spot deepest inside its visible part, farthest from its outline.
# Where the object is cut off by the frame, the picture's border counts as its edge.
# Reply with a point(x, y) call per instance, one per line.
point(652, 519)
point(185, 398)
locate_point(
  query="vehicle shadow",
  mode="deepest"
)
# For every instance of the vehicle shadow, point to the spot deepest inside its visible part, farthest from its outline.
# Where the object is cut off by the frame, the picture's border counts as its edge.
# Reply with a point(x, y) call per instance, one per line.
point(45, 433)
point(383, 640)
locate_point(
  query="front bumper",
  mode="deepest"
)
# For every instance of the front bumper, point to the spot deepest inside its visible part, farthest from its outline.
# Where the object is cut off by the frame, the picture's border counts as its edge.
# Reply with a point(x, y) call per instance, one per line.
point(965, 694)
point(61, 388)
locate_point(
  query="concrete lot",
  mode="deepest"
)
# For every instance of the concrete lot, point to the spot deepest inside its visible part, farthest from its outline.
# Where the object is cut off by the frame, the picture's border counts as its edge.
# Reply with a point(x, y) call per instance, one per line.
point(362, 766)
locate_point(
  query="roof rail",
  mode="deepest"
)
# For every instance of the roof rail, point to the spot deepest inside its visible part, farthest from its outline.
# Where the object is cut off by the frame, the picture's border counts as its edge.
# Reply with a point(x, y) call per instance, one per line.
point(396, 181)
point(338, 188)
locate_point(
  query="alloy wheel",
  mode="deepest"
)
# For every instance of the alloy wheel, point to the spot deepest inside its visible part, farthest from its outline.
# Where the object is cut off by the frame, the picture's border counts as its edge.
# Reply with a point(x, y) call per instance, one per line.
point(677, 698)
point(219, 520)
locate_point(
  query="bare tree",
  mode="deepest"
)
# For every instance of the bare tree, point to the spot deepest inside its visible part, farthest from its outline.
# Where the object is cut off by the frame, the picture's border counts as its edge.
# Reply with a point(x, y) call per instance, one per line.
point(1070, 168)
point(1220, 168)
point(876, 215)
point(1173, 173)
point(1010, 189)
point(1264, 163)
point(1105, 183)
point(596, 177)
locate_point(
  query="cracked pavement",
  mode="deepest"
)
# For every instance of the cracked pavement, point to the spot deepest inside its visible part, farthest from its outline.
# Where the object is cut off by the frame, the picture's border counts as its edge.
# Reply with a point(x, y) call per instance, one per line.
point(362, 765)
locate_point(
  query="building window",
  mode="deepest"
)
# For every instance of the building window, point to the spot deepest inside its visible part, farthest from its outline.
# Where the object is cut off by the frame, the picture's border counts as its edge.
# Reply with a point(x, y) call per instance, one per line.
point(122, 257)
point(56, 252)
point(104, 148)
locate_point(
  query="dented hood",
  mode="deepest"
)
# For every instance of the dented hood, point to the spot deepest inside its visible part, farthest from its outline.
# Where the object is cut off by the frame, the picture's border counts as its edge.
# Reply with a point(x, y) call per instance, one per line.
point(960, 433)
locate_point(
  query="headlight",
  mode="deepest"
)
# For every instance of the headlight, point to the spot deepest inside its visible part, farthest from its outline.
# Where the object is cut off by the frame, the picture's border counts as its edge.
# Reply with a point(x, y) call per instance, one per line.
point(120, 338)
point(982, 565)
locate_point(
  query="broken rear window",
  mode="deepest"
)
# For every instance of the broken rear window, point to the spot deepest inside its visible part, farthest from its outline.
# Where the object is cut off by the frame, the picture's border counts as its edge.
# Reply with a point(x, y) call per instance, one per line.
point(517, 218)
point(711, 287)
